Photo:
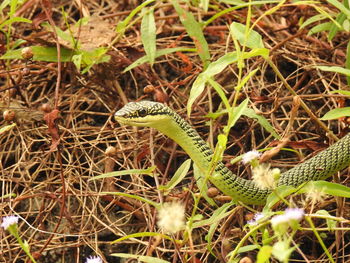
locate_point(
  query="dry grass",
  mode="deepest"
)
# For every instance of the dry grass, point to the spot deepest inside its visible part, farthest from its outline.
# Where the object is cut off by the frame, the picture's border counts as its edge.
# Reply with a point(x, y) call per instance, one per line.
point(64, 216)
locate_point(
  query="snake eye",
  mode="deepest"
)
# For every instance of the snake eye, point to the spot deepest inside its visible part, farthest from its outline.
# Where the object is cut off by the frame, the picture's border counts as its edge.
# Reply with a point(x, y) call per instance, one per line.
point(142, 113)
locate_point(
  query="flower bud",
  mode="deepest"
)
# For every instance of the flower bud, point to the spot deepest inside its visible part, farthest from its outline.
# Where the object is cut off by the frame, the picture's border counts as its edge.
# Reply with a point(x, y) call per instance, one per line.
point(27, 53)
point(9, 115)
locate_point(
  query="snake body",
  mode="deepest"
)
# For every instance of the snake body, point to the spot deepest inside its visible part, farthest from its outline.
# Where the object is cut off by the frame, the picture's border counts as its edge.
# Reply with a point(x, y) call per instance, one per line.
point(168, 122)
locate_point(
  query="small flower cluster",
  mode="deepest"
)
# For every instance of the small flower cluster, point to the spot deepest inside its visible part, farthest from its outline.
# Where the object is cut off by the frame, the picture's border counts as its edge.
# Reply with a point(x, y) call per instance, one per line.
point(171, 217)
point(93, 259)
point(250, 157)
point(264, 177)
point(290, 218)
point(256, 219)
point(7, 221)
point(10, 223)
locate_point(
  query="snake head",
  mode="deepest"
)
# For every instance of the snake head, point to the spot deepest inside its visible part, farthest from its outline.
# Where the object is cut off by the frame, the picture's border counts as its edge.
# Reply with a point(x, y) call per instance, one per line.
point(143, 113)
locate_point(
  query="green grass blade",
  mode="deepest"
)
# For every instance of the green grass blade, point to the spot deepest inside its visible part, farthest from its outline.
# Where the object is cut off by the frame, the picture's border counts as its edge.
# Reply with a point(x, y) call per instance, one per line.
point(252, 40)
point(7, 128)
point(347, 62)
point(221, 92)
point(121, 27)
point(325, 187)
point(213, 69)
point(195, 31)
point(202, 184)
point(336, 69)
point(262, 121)
point(320, 28)
point(48, 54)
point(340, 6)
point(15, 20)
point(159, 53)
point(148, 171)
point(234, 114)
point(336, 113)
point(148, 35)
point(343, 92)
point(180, 173)
point(280, 192)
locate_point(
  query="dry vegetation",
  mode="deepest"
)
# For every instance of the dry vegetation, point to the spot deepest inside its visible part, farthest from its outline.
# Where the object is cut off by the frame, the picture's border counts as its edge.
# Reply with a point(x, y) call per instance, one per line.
point(65, 134)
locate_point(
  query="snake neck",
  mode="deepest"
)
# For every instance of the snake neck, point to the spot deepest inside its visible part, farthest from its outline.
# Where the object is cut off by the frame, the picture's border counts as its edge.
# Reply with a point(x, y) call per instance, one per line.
point(230, 184)
point(184, 135)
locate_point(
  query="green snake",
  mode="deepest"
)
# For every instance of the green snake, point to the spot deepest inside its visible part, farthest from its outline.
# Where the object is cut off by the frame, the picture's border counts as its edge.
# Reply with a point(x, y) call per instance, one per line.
point(168, 122)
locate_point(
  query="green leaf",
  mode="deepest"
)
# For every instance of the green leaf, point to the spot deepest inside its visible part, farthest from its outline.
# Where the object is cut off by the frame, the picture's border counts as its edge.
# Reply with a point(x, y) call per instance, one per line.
point(214, 221)
point(219, 149)
point(245, 79)
point(335, 28)
point(262, 121)
point(340, 6)
point(177, 178)
point(7, 128)
point(320, 28)
point(94, 56)
point(215, 115)
point(245, 36)
point(220, 91)
point(331, 224)
point(14, 20)
point(146, 259)
point(325, 187)
point(121, 27)
point(8, 195)
point(247, 248)
point(235, 113)
point(347, 62)
point(48, 54)
point(313, 19)
point(148, 35)
point(194, 30)
point(336, 69)
point(282, 251)
point(264, 52)
point(213, 69)
point(275, 196)
point(77, 60)
point(336, 113)
point(264, 254)
point(343, 92)
point(159, 53)
point(148, 171)
point(202, 184)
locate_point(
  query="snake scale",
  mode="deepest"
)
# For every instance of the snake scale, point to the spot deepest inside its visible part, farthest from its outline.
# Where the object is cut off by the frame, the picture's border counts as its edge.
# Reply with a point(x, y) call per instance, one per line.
point(168, 122)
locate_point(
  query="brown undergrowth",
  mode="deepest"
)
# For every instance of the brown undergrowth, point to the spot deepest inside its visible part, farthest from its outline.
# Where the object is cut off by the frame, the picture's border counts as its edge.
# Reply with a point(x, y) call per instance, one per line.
point(48, 157)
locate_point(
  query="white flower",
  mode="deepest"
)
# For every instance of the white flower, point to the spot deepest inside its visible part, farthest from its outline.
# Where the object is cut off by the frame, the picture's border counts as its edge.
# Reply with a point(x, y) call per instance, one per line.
point(294, 213)
point(255, 220)
point(171, 217)
point(264, 177)
point(93, 259)
point(250, 156)
point(290, 218)
point(8, 221)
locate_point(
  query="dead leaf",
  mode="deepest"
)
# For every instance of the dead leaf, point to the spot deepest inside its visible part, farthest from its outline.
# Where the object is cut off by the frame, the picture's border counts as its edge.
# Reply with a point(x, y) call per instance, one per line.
point(50, 119)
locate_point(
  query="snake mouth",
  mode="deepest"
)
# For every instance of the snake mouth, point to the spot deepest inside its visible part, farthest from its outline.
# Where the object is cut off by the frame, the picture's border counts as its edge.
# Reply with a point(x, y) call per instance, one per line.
point(134, 122)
